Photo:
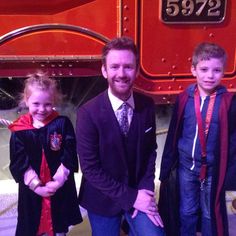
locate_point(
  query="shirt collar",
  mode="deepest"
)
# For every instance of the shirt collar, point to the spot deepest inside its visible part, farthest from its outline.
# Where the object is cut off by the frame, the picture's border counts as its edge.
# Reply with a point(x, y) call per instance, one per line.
point(116, 102)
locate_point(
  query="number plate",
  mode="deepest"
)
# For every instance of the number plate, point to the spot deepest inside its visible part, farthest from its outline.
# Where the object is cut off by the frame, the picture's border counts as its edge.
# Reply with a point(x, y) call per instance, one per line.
point(193, 11)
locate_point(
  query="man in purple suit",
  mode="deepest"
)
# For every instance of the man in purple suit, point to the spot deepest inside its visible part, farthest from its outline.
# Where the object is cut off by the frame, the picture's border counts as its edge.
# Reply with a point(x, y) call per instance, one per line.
point(117, 152)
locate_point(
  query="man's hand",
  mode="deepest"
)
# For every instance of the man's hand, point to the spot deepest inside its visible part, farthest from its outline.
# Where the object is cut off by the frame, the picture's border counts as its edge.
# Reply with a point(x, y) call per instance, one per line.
point(155, 218)
point(145, 202)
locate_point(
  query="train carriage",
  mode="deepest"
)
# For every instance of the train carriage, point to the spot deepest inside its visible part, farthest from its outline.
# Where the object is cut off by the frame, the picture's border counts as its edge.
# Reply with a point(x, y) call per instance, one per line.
point(64, 38)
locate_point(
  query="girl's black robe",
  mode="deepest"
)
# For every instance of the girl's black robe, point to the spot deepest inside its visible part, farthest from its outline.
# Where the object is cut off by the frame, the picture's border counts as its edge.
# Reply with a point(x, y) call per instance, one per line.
point(26, 150)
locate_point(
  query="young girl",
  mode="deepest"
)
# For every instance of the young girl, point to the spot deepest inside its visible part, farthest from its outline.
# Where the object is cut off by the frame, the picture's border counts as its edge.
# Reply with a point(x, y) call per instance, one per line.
point(43, 160)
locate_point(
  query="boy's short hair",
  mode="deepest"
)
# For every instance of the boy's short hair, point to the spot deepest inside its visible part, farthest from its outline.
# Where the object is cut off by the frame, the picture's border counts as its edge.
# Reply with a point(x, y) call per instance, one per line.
point(120, 43)
point(206, 51)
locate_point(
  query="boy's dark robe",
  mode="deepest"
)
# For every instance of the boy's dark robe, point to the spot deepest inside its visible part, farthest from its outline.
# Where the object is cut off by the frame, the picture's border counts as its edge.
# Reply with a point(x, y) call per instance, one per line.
point(225, 164)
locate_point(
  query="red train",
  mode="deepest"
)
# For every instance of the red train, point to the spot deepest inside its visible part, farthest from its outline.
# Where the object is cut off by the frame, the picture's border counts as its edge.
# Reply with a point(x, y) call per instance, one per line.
point(65, 38)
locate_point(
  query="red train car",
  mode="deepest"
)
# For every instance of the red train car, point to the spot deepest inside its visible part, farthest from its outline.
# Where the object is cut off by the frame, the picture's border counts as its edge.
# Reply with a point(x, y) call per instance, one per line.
point(65, 37)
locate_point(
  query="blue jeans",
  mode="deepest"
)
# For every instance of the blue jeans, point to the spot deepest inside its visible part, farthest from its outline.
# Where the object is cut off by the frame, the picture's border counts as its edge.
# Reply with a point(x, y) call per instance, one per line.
point(192, 201)
point(110, 226)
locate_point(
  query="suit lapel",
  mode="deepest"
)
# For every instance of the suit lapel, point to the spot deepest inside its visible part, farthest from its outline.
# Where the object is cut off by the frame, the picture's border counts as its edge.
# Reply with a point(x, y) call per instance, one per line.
point(137, 125)
point(110, 124)
point(108, 116)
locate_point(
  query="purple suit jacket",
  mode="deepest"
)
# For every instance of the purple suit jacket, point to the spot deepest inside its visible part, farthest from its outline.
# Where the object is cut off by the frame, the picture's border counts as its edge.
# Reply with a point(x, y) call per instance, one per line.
point(105, 187)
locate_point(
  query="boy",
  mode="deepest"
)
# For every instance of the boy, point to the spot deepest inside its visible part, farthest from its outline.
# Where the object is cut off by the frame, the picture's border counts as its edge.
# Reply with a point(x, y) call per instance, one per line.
point(197, 147)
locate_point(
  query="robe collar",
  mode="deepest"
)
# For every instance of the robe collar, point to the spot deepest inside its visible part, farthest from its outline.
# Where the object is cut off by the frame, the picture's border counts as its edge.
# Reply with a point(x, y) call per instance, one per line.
point(25, 122)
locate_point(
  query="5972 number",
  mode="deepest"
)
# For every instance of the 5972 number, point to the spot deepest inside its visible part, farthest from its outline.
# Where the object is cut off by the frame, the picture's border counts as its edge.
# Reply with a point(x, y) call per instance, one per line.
point(197, 11)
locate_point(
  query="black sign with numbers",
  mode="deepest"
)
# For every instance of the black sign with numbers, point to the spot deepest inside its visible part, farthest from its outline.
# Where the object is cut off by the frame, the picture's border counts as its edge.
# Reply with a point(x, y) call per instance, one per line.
point(193, 11)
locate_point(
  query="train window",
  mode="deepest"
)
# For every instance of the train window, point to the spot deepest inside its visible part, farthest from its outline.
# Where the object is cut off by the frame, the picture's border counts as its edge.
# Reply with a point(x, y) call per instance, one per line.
point(193, 11)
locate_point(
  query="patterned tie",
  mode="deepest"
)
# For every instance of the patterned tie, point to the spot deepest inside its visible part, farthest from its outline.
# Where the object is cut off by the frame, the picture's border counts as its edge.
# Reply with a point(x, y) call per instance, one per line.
point(123, 121)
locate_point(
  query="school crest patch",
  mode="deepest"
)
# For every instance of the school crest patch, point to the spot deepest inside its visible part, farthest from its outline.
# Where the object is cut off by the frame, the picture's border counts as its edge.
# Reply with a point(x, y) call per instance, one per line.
point(55, 141)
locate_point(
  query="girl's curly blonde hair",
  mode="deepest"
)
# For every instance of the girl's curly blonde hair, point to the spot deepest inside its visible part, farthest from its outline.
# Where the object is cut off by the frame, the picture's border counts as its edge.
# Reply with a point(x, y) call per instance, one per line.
point(41, 81)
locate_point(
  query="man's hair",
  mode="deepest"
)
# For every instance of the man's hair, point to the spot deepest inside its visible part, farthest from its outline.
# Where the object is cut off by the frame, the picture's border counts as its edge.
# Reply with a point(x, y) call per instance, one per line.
point(206, 51)
point(120, 43)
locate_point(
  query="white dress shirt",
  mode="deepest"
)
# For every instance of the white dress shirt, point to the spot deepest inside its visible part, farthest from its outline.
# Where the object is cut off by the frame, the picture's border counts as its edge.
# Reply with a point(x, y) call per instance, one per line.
point(116, 104)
